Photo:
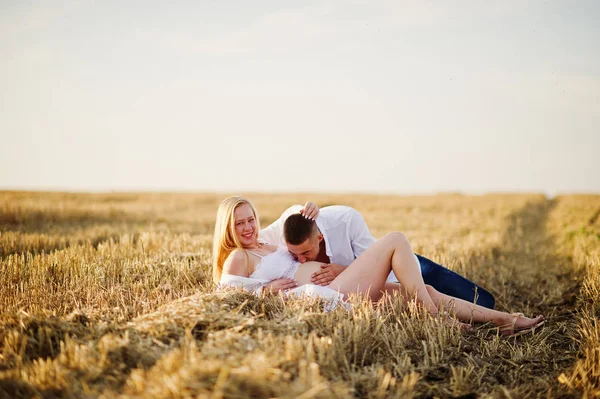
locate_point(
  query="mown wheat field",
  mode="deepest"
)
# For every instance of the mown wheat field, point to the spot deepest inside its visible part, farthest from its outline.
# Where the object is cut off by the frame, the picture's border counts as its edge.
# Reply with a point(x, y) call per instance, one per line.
point(110, 295)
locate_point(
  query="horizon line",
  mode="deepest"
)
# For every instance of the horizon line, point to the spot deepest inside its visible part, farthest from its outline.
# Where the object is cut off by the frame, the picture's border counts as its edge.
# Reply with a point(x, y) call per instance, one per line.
point(482, 192)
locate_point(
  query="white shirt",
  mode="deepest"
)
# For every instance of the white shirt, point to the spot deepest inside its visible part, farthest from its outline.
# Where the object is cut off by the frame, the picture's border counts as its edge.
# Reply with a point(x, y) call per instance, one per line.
point(344, 230)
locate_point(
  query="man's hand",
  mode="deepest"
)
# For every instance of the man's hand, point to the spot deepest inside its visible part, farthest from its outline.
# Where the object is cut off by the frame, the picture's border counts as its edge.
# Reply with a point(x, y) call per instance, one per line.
point(281, 284)
point(327, 273)
point(310, 211)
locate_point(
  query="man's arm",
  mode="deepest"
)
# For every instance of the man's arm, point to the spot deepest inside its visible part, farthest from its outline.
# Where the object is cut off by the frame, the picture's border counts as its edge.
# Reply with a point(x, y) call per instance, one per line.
point(273, 234)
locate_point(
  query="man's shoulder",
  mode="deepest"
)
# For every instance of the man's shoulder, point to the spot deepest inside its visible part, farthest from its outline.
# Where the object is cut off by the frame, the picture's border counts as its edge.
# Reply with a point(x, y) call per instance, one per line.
point(336, 214)
point(336, 210)
point(345, 223)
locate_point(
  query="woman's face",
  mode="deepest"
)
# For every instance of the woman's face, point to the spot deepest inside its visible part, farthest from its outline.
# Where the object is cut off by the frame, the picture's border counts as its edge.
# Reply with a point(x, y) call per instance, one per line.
point(245, 225)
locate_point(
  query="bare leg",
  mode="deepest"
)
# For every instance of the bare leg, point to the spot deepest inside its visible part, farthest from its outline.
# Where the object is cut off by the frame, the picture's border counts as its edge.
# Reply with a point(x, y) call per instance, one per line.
point(467, 311)
point(368, 273)
point(394, 289)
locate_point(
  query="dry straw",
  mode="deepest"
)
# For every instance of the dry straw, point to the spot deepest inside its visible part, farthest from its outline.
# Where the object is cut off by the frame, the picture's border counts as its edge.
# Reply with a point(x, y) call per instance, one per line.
point(110, 295)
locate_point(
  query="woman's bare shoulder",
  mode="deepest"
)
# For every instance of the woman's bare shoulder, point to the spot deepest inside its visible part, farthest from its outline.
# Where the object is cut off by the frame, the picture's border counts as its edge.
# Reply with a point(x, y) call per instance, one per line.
point(236, 263)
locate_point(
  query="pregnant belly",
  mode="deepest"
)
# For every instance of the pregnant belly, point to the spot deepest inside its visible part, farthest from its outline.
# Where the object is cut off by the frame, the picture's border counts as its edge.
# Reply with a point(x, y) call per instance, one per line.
point(302, 275)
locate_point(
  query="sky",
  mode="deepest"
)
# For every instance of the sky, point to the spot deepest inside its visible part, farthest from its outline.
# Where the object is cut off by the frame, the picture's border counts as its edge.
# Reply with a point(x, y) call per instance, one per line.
point(401, 96)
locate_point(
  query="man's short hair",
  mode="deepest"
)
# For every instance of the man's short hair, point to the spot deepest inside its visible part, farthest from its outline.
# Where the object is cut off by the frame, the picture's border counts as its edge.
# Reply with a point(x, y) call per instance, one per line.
point(297, 229)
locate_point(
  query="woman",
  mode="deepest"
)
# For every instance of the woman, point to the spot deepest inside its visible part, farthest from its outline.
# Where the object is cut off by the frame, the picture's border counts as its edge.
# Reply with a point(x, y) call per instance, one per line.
point(238, 252)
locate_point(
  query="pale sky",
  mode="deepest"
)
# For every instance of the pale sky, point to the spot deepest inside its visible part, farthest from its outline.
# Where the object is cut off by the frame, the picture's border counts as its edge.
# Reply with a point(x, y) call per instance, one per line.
point(355, 96)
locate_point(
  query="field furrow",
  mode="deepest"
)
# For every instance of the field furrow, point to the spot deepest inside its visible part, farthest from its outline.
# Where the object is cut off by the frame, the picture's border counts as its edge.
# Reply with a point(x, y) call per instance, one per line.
point(110, 295)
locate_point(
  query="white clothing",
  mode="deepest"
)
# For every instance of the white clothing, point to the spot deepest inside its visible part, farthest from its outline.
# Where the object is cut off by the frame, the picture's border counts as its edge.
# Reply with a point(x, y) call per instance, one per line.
point(279, 264)
point(251, 284)
point(344, 230)
point(276, 265)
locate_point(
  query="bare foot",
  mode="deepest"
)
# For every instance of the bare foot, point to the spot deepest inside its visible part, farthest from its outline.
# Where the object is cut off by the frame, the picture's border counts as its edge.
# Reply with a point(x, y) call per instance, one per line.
point(520, 325)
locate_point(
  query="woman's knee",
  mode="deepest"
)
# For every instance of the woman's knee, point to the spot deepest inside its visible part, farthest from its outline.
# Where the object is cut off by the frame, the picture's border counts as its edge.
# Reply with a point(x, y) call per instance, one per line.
point(397, 238)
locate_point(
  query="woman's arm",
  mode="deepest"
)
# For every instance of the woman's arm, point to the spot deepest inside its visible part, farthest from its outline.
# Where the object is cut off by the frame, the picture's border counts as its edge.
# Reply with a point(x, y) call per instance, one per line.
point(237, 264)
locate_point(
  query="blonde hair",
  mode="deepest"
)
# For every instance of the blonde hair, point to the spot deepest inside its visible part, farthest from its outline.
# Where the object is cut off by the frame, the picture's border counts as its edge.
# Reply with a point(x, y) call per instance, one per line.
point(225, 240)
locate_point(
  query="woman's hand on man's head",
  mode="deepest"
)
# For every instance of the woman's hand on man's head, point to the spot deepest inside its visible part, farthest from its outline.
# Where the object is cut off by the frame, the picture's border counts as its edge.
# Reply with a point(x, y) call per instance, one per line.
point(310, 211)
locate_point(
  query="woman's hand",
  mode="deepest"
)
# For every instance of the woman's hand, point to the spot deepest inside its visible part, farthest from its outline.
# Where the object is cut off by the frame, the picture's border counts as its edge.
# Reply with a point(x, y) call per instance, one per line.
point(281, 284)
point(310, 211)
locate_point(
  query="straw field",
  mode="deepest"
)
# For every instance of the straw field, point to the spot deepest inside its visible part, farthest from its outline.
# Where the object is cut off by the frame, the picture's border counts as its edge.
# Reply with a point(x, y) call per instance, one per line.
point(110, 295)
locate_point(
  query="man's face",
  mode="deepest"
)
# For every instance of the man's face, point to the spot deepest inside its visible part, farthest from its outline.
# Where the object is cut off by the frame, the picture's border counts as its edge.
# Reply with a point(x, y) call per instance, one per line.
point(308, 250)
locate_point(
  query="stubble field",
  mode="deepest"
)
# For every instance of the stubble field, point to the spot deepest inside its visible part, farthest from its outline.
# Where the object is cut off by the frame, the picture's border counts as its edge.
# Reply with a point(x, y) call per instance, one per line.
point(110, 295)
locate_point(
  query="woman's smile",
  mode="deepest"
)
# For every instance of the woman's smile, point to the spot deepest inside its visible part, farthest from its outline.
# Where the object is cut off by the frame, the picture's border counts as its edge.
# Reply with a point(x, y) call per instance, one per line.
point(248, 235)
point(245, 225)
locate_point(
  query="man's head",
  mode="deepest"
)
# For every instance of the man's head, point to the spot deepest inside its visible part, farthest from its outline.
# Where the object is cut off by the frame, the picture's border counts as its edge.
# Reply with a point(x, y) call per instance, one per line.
point(302, 237)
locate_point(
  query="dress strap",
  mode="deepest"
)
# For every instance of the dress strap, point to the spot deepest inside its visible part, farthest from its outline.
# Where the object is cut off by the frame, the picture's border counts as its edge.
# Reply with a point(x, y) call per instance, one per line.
point(254, 253)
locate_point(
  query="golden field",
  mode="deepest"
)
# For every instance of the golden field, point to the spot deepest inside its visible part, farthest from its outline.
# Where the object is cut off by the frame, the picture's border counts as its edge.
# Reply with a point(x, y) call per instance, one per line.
point(110, 295)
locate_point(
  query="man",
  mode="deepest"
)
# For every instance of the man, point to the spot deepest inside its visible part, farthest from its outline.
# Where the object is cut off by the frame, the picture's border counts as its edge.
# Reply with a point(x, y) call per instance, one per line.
point(341, 236)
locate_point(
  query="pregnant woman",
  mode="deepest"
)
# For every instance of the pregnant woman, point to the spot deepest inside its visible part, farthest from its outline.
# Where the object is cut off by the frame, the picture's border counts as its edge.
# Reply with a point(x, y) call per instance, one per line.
point(237, 252)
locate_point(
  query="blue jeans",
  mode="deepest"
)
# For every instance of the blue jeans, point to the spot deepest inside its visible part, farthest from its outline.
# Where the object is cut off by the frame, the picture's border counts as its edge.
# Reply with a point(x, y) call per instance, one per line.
point(453, 284)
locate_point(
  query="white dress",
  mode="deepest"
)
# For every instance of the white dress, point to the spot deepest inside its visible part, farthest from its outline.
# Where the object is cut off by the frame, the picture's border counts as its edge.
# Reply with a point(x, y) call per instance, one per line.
point(280, 264)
